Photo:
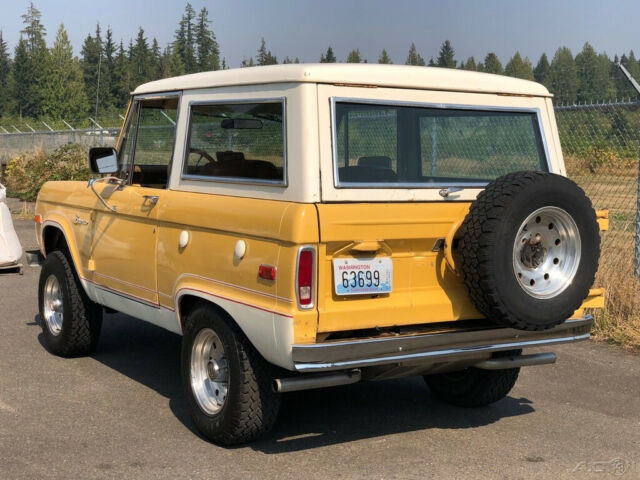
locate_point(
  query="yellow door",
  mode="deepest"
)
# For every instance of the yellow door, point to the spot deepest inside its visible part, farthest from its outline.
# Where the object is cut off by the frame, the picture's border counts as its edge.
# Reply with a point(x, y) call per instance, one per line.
point(124, 242)
point(124, 246)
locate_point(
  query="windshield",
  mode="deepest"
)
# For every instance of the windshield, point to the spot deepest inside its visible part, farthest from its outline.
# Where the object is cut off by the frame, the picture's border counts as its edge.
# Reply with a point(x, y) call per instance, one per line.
point(392, 145)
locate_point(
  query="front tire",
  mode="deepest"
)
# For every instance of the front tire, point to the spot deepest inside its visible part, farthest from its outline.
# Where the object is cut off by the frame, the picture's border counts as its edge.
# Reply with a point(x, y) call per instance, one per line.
point(226, 382)
point(70, 321)
point(474, 387)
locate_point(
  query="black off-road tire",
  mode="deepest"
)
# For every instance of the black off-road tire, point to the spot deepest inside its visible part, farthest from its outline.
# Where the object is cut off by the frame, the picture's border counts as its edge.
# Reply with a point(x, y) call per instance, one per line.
point(487, 249)
point(474, 387)
point(82, 318)
point(251, 406)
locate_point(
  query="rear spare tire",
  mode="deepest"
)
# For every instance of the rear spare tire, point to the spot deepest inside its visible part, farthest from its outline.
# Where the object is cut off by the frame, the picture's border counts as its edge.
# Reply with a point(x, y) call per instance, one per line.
point(529, 250)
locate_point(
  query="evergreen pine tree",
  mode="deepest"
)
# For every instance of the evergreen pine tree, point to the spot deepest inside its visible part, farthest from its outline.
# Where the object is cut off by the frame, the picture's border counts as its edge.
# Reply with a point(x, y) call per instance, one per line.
point(207, 49)
point(470, 64)
point(108, 61)
point(541, 72)
point(30, 55)
point(519, 68)
point(140, 59)
point(354, 56)
point(63, 94)
point(155, 60)
point(122, 78)
point(563, 79)
point(492, 64)
point(264, 56)
point(329, 57)
point(446, 55)
point(5, 72)
point(93, 71)
point(384, 57)
point(593, 72)
point(413, 57)
point(184, 40)
point(624, 88)
point(173, 65)
point(287, 60)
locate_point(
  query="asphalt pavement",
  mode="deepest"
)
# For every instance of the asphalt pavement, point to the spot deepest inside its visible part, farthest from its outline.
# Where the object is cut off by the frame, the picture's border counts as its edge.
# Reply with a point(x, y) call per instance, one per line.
point(121, 414)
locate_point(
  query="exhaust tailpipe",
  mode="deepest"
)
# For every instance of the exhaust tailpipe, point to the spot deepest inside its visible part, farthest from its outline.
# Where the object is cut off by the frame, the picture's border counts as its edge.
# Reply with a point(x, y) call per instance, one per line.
point(309, 382)
point(499, 363)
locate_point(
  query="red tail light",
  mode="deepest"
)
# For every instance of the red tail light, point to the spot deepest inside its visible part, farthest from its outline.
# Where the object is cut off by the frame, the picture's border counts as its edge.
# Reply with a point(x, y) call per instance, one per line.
point(305, 277)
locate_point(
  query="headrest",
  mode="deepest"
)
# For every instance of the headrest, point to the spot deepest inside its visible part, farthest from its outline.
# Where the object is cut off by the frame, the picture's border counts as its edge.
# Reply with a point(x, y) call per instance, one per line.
point(375, 162)
point(230, 156)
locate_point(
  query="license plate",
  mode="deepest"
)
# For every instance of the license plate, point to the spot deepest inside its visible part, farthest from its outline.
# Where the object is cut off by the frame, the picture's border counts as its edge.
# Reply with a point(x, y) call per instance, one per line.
point(362, 276)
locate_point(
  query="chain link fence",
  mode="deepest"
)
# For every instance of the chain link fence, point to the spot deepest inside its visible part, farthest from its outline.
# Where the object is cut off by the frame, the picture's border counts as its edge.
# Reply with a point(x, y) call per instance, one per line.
point(13, 144)
point(601, 146)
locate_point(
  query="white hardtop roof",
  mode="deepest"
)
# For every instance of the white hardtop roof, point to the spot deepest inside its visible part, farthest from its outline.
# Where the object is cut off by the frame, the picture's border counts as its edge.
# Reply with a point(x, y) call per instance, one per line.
point(398, 76)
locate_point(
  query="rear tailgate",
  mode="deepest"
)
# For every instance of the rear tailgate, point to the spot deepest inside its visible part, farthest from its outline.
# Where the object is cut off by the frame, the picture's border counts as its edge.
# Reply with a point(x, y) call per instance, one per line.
point(424, 289)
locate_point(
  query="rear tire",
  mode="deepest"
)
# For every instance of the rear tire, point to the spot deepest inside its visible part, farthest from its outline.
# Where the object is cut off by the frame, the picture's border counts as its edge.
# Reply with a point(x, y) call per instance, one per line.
point(70, 321)
point(474, 387)
point(226, 382)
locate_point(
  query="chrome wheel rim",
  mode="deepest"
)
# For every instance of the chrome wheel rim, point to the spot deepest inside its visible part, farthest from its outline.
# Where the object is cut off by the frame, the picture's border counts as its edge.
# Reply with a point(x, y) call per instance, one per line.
point(209, 371)
point(546, 252)
point(53, 305)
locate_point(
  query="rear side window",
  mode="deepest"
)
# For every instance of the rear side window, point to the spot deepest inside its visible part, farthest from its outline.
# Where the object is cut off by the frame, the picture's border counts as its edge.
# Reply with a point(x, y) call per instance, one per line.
point(237, 142)
point(394, 145)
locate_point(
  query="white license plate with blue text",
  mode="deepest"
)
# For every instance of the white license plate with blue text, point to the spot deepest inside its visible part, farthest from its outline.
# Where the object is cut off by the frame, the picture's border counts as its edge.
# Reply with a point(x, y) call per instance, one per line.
point(361, 276)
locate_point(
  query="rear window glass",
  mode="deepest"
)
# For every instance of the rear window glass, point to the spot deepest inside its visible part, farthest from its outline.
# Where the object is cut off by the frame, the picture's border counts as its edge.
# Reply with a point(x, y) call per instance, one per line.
point(405, 145)
point(241, 141)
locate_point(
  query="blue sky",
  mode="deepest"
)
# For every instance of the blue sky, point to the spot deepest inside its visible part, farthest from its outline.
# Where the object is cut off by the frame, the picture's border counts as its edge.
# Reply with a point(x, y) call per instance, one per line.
point(305, 28)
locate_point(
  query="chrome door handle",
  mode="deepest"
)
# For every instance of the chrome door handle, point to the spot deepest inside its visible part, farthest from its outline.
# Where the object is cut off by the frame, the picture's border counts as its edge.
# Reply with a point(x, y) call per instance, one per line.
point(152, 199)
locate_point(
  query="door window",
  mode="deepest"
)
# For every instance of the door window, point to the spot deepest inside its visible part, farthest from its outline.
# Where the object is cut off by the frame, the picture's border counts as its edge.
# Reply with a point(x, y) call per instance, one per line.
point(147, 146)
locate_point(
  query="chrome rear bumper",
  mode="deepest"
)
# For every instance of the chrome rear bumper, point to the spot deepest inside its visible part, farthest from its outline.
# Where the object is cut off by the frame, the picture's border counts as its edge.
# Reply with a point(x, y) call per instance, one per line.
point(431, 348)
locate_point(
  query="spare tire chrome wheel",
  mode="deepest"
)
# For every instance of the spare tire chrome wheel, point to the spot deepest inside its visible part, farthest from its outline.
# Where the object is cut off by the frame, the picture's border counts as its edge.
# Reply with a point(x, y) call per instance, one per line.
point(529, 250)
point(546, 252)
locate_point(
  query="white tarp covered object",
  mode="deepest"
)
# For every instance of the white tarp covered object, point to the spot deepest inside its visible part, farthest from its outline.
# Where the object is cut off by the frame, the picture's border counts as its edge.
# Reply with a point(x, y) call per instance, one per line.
point(10, 248)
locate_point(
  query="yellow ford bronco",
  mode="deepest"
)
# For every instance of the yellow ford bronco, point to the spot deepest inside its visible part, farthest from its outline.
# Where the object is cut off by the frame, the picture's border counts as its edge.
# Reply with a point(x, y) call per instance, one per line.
point(305, 226)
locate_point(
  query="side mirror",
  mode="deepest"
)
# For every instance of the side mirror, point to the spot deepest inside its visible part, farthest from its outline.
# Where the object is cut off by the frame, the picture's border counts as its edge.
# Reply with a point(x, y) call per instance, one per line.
point(103, 160)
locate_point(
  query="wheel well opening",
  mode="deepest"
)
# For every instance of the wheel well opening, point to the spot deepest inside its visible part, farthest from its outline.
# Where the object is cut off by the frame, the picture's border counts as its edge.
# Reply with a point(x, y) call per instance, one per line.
point(188, 302)
point(53, 239)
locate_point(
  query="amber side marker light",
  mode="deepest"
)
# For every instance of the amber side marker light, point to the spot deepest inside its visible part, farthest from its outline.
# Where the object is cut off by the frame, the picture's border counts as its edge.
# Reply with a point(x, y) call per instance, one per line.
point(38, 219)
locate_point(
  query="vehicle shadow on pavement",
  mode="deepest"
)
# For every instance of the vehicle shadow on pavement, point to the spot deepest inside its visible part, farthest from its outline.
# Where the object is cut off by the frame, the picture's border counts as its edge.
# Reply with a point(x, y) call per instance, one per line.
point(145, 353)
point(317, 418)
point(310, 419)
